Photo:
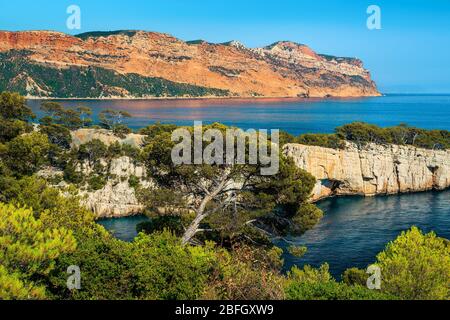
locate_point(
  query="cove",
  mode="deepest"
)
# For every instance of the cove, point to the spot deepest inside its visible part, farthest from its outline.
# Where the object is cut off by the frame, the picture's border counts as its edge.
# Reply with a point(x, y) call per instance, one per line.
point(353, 230)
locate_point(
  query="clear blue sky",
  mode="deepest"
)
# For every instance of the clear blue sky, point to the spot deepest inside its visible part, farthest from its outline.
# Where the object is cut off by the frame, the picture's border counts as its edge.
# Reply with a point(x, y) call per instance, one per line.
point(410, 54)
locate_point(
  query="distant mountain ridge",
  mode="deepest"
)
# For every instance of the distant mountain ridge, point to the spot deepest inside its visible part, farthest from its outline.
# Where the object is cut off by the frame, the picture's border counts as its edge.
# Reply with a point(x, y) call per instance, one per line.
point(139, 64)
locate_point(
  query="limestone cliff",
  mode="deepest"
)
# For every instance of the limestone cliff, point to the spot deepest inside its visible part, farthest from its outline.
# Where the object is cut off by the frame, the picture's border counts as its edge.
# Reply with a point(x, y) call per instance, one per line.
point(129, 64)
point(373, 169)
point(117, 198)
point(370, 170)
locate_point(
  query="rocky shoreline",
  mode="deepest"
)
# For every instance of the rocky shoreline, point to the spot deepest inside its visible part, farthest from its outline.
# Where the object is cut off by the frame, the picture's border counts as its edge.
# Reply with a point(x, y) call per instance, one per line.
point(373, 169)
point(367, 171)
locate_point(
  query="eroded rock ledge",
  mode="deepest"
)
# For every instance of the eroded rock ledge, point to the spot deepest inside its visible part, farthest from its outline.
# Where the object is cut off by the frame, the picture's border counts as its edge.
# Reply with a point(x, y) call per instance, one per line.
point(373, 169)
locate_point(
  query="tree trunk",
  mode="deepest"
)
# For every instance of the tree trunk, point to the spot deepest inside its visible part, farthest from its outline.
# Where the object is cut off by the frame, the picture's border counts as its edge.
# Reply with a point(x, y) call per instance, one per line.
point(192, 229)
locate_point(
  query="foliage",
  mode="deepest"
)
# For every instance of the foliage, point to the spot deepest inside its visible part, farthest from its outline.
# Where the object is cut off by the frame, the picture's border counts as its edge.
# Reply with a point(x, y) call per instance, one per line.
point(96, 182)
point(247, 273)
point(30, 192)
point(90, 82)
point(134, 182)
point(310, 275)
point(32, 150)
point(308, 215)
point(333, 290)
point(320, 140)
point(12, 287)
point(68, 118)
point(416, 266)
point(297, 251)
point(92, 152)
point(362, 133)
point(157, 129)
point(151, 268)
point(84, 113)
point(318, 284)
point(57, 135)
point(229, 198)
point(159, 224)
point(355, 276)
point(10, 129)
point(28, 249)
point(114, 120)
point(13, 107)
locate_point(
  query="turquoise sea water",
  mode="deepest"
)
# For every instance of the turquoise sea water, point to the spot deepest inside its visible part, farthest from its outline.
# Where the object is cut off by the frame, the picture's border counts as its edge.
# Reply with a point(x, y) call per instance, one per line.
point(354, 229)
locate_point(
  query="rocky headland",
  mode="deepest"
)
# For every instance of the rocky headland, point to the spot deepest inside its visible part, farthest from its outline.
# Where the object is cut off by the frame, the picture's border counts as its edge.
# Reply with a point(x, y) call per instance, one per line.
point(139, 64)
point(368, 171)
point(372, 169)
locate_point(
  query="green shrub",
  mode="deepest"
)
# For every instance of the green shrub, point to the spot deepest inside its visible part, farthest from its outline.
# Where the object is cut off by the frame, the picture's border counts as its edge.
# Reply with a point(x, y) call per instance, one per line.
point(171, 223)
point(154, 267)
point(96, 182)
point(134, 182)
point(332, 291)
point(416, 266)
point(355, 276)
point(321, 140)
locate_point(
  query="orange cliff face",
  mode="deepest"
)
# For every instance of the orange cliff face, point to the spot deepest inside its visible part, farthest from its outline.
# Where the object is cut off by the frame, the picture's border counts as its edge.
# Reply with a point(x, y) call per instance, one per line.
point(284, 69)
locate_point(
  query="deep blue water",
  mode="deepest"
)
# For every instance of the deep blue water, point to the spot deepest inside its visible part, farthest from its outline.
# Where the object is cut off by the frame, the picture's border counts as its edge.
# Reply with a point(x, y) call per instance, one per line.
point(123, 228)
point(354, 229)
point(292, 115)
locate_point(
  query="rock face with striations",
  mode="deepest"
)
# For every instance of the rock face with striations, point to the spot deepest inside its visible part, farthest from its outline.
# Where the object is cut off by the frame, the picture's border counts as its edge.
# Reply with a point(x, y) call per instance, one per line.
point(130, 64)
point(373, 169)
point(117, 198)
point(370, 170)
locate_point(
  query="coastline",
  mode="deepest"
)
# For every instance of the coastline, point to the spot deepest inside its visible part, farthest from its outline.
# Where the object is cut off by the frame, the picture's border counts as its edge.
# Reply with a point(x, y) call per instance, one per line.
point(287, 98)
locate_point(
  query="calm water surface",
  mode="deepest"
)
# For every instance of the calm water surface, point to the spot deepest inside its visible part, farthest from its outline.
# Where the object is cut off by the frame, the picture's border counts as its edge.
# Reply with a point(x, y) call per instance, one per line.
point(295, 116)
point(123, 228)
point(355, 229)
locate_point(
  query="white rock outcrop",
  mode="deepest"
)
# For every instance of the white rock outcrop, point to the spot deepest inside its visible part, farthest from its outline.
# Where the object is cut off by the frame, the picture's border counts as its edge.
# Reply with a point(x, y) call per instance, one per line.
point(82, 136)
point(373, 169)
point(117, 198)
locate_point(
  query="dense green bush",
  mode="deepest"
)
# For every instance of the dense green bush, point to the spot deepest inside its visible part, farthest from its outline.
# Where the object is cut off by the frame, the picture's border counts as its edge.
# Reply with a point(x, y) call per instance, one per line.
point(96, 182)
point(333, 290)
point(355, 276)
point(321, 140)
point(416, 266)
point(28, 250)
point(362, 133)
point(158, 224)
point(155, 267)
point(26, 154)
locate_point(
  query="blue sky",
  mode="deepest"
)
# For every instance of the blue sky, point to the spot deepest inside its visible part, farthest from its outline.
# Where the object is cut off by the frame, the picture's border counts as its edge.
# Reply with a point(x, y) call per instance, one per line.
point(411, 53)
